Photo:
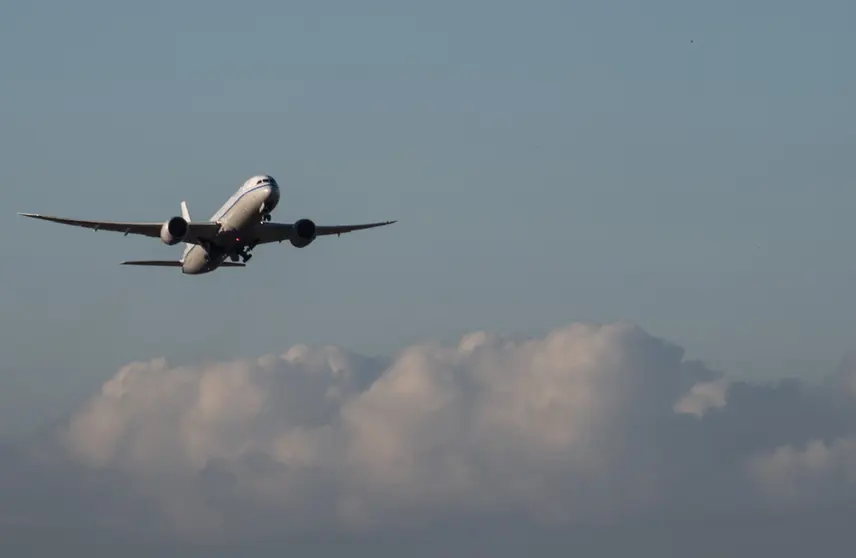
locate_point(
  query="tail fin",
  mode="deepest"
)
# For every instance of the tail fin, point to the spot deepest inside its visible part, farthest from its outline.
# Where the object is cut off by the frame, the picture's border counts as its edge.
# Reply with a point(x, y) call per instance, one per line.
point(185, 214)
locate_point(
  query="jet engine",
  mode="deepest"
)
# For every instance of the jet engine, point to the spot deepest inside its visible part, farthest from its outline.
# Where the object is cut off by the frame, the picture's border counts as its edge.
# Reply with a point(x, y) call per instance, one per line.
point(174, 231)
point(302, 233)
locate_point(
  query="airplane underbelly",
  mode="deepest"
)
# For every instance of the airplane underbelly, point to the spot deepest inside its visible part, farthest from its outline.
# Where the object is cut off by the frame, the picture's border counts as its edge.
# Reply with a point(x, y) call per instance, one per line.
point(198, 261)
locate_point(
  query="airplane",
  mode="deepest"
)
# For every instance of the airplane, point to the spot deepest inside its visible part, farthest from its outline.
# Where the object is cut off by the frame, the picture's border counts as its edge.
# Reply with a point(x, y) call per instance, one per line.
point(241, 224)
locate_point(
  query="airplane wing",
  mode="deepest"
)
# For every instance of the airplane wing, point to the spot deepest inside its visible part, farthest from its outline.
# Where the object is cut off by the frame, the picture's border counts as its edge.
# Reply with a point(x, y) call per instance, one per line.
point(277, 232)
point(174, 263)
point(197, 230)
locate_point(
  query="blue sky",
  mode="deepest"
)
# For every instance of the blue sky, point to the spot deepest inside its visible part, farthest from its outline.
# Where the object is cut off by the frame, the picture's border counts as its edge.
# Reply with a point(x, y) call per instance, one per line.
point(685, 166)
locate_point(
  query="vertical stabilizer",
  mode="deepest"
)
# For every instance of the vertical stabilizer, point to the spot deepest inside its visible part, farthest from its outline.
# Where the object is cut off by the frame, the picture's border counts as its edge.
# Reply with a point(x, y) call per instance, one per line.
point(185, 214)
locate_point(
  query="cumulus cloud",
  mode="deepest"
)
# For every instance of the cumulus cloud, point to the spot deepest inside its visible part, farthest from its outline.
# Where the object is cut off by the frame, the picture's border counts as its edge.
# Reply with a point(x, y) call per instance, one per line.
point(702, 397)
point(589, 424)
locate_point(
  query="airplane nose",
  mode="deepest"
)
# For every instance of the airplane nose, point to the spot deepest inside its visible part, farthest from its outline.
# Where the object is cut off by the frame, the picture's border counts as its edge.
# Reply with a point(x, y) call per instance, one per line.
point(273, 194)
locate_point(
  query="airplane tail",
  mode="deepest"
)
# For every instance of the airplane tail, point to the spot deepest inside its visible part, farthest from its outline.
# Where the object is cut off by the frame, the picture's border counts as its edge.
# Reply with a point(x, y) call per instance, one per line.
point(185, 214)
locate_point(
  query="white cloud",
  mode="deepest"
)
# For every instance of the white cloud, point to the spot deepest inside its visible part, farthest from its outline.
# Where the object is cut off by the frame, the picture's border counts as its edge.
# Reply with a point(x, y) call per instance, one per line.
point(590, 423)
point(702, 397)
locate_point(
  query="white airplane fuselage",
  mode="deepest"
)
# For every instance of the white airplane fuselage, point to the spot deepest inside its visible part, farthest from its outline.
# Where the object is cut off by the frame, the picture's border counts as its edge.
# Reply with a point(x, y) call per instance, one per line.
point(247, 208)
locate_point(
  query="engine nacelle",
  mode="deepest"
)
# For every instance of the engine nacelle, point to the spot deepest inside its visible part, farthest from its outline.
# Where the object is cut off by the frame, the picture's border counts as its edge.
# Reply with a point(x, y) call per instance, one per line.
point(174, 231)
point(302, 233)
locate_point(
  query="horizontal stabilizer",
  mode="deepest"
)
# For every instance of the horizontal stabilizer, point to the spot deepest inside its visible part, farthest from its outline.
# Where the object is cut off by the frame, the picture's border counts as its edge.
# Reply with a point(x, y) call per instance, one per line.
point(174, 263)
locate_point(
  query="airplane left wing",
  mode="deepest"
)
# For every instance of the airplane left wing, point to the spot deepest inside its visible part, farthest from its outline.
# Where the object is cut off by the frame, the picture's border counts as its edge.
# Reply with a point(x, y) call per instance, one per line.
point(277, 232)
point(196, 230)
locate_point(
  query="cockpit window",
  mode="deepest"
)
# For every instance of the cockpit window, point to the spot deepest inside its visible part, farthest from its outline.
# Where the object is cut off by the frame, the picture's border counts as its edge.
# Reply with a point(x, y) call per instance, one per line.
point(266, 180)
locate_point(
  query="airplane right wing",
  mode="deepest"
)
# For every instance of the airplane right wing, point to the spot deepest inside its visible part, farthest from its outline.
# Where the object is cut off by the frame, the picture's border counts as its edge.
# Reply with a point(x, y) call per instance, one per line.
point(196, 230)
point(277, 232)
point(325, 230)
